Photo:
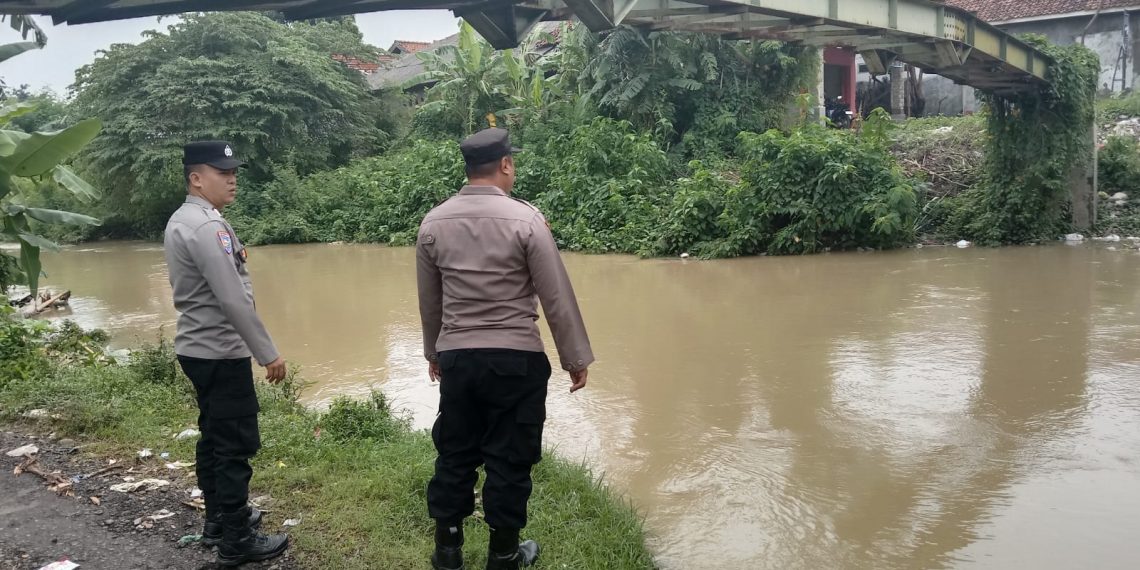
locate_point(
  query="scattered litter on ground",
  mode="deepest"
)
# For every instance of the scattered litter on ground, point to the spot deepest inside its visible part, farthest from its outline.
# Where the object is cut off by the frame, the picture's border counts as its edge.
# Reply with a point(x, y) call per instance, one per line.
point(61, 565)
point(196, 504)
point(24, 451)
point(195, 493)
point(96, 501)
point(1074, 237)
point(291, 522)
point(148, 521)
point(964, 244)
point(189, 539)
point(178, 465)
point(144, 453)
point(164, 455)
point(187, 434)
point(145, 485)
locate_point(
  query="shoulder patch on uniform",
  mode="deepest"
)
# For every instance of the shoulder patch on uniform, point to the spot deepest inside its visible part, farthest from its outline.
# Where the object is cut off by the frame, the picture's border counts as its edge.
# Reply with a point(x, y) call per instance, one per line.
point(226, 241)
point(428, 239)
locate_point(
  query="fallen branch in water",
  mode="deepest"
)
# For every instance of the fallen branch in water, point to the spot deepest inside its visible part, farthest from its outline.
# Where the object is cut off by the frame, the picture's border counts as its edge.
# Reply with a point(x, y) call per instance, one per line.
point(60, 299)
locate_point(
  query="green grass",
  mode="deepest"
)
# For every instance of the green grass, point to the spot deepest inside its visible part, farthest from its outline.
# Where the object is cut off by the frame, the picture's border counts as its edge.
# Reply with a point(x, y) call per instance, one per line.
point(359, 486)
point(1110, 109)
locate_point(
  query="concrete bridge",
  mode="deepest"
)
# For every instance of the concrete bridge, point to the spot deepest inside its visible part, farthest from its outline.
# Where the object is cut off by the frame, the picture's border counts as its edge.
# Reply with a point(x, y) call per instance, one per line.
point(931, 35)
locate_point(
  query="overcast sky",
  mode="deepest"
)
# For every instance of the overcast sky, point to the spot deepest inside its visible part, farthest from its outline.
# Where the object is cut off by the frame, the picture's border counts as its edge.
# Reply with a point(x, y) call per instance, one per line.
point(70, 47)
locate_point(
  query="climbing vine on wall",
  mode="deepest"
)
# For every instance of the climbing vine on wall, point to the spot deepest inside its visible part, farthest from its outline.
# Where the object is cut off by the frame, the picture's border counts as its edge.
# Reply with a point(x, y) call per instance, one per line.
point(1035, 140)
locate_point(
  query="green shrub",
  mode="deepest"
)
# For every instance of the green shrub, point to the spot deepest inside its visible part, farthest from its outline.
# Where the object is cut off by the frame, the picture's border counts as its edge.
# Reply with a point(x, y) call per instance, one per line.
point(156, 363)
point(817, 189)
point(1112, 108)
point(1033, 140)
point(1119, 163)
point(21, 341)
point(349, 419)
point(10, 273)
point(380, 199)
point(691, 219)
point(605, 185)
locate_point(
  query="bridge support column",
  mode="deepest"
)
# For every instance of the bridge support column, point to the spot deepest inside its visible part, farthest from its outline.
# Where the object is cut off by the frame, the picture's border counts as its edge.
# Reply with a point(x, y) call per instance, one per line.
point(1083, 185)
point(898, 92)
point(820, 89)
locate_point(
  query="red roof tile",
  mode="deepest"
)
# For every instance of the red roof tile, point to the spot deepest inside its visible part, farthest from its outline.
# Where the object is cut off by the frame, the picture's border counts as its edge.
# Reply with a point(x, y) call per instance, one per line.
point(403, 46)
point(1004, 10)
point(360, 65)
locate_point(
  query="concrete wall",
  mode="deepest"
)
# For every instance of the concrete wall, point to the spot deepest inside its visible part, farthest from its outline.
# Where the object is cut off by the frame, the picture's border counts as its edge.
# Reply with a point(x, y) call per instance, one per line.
point(1111, 35)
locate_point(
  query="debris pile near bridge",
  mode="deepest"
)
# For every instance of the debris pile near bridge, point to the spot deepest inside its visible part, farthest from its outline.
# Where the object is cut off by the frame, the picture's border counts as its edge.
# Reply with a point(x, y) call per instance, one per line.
point(946, 152)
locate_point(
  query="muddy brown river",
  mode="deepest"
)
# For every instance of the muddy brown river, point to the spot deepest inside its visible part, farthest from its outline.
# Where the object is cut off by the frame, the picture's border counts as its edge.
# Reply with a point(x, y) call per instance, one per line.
point(926, 408)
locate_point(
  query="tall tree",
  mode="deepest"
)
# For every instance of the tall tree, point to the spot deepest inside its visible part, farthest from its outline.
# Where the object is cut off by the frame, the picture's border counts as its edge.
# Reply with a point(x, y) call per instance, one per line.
point(270, 87)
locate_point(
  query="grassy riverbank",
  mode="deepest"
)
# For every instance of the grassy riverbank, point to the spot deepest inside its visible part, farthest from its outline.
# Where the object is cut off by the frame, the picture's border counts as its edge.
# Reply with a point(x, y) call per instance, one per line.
point(355, 474)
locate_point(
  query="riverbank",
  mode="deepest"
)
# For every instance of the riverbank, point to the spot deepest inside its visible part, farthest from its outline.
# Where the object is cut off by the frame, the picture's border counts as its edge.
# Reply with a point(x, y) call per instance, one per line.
point(353, 476)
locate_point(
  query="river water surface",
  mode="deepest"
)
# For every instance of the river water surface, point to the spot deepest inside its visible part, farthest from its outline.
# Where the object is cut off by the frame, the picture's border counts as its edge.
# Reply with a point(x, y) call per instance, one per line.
point(927, 408)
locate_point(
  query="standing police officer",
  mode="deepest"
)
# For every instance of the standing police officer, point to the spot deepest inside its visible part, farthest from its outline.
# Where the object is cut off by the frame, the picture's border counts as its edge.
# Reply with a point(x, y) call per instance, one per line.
point(217, 331)
point(481, 258)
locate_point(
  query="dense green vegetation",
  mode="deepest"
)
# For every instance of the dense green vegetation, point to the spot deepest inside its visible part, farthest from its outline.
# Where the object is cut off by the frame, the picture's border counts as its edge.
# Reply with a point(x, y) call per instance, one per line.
point(356, 473)
point(640, 142)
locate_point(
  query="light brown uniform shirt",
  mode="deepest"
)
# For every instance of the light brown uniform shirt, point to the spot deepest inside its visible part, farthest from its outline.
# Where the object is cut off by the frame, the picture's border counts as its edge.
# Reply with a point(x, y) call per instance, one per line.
point(482, 258)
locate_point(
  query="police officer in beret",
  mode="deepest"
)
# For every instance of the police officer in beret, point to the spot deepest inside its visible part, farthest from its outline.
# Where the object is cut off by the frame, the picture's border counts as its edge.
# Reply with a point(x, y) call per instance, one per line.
point(218, 331)
point(482, 259)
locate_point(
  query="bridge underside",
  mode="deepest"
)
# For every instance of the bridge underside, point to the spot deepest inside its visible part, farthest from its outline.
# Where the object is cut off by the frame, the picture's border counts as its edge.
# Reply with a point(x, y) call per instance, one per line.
point(940, 39)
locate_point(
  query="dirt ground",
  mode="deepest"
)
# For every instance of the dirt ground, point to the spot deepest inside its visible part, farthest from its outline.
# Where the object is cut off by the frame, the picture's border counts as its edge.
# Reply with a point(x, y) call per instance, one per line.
point(94, 526)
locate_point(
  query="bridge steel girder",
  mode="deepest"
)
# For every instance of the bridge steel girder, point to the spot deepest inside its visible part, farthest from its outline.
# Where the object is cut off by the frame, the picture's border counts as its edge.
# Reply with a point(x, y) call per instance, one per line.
point(946, 36)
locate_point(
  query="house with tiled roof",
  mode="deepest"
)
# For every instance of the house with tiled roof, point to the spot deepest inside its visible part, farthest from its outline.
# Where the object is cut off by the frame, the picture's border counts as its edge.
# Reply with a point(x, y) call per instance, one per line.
point(401, 47)
point(357, 64)
point(1111, 28)
point(408, 66)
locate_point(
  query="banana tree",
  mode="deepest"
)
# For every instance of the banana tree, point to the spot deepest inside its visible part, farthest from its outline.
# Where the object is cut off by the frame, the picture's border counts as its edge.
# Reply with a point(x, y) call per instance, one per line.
point(474, 80)
point(26, 26)
point(29, 162)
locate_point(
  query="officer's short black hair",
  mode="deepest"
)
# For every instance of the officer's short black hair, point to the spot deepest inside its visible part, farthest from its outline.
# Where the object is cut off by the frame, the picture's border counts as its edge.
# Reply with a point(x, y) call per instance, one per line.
point(189, 169)
point(483, 170)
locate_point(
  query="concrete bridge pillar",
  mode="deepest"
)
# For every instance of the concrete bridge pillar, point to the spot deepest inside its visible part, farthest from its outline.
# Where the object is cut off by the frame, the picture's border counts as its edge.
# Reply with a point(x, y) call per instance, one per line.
point(898, 91)
point(1083, 185)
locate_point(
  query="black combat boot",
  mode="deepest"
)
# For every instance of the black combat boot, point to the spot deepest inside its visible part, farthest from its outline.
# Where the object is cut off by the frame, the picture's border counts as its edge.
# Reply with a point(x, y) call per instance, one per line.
point(212, 530)
point(448, 553)
point(507, 553)
point(241, 543)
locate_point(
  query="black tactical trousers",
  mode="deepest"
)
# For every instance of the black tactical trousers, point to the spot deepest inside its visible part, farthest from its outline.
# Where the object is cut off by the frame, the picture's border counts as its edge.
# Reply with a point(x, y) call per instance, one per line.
point(492, 406)
point(227, 418)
